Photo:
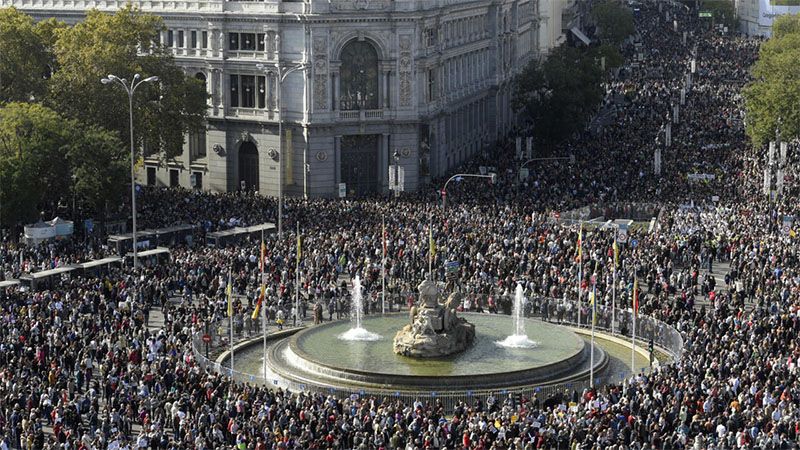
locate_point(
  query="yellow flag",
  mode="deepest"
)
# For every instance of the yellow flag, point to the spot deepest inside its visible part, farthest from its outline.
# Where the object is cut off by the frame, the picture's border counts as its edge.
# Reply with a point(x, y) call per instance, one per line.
point(299, 249)
point(260, 300)
point(580, 243)
point(432, 243)
point(229, 293)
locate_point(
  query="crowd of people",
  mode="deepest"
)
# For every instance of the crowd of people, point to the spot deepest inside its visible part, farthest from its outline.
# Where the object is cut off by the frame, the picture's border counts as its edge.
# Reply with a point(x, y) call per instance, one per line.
point(80, 367)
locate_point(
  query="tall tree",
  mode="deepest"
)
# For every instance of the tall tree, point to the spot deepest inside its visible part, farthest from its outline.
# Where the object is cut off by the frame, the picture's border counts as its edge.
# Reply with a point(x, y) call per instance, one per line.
point(45, 159)
point(771, 99)
point(26, 60)
point(614, 20)
point(33, 160)
point(99, 163)
point(559, 95)
point(124, 44)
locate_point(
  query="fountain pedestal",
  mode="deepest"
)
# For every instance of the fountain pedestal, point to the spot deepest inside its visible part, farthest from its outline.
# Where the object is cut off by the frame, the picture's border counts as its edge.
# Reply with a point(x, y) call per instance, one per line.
point(435, 330)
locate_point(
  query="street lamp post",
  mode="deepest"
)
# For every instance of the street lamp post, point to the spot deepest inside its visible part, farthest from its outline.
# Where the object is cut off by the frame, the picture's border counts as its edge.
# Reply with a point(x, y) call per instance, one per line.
point(396, 156)
point(570, 158)
point(491, 176)
point(281, 72)
point(130, 88)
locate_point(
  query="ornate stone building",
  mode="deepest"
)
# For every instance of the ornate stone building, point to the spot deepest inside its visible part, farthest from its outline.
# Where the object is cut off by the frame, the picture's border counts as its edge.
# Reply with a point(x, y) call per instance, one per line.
point(366, 83)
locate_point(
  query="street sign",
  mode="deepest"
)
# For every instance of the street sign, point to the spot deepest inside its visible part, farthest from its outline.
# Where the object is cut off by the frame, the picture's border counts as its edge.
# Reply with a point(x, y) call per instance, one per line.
point(708, 14)
point(206, 338)
point(342, 190)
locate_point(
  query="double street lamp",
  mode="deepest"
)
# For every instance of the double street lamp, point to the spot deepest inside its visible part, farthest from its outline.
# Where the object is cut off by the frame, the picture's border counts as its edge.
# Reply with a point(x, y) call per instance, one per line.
point(280, 72)
point(130, 88)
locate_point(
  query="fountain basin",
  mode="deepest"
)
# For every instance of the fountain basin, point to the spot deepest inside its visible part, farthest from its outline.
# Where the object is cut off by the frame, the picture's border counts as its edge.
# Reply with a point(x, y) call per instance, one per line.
point(315, 357)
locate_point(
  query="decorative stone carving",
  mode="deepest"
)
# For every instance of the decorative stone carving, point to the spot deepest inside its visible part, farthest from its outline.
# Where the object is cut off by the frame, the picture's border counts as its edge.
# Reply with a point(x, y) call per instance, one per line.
point(404, 70)
point(359, 5)
point(273, 154)
point(322, 155)
point(435, 330)
point(320, 48)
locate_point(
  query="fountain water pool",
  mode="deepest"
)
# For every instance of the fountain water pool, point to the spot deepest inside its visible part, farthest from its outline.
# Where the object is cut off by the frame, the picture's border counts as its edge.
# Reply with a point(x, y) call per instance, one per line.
point(358, 332)
point(520, 338)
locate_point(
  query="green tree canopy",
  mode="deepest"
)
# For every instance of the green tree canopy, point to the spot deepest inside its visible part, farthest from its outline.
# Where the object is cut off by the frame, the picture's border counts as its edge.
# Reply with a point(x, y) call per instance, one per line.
point(614, 20)
point(45, 158)
point(723, 12)
point(124, 44)
point(559, 95)
point(772, 99)
point(25, 58)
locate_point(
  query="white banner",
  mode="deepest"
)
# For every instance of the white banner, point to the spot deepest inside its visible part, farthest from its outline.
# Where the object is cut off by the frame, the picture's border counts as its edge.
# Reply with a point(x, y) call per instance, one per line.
point(700, 176)
point(769, 9)
point(767, 181)
point(622, 233)
point(529, 147)
point(397, 183)
point(787, 224)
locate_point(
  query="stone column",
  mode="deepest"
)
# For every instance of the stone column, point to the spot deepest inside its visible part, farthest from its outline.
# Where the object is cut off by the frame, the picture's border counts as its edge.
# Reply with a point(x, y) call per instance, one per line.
point(337, 161)
point(383, 161)
point(336, 91)
point(334, 99)
point(385, 82)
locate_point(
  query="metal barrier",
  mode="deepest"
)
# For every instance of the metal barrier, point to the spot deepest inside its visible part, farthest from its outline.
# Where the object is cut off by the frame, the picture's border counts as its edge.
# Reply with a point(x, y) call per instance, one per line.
point(565, 312)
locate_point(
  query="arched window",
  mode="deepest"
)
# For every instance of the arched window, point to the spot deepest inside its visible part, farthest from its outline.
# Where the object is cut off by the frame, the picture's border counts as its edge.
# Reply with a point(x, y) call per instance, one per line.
point(358, 81)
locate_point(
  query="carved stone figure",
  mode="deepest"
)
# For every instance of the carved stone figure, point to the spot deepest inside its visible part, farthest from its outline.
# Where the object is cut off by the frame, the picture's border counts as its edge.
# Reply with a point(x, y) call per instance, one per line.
point(435, 329)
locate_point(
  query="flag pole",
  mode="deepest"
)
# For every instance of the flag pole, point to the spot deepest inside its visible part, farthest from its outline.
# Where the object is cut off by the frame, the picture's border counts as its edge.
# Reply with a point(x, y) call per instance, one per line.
point(230, 314)
point(614, 301)
point(635, 313)
point(383, 265)
point(430, 247)
point(594, 312)
point(263, 307)
point(580, 271)
point(614, 285)
point(297, 281)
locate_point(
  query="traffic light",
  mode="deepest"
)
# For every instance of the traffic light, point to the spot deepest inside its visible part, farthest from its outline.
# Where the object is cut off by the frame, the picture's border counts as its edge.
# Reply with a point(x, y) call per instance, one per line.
point(650, 346)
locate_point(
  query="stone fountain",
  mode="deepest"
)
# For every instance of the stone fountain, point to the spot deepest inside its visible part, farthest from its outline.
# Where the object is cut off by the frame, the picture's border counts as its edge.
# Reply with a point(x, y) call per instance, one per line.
point(435, 330)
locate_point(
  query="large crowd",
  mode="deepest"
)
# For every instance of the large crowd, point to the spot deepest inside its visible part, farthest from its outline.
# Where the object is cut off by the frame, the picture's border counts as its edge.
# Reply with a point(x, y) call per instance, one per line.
point(81, 369)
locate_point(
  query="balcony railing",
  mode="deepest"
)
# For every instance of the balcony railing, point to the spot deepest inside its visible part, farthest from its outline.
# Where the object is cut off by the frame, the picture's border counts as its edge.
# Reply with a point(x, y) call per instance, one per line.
point(361, 115)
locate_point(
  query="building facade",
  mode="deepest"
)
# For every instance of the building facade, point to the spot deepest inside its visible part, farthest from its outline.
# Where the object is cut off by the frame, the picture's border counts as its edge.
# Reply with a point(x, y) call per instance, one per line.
point(364, 85)
point(756, 16)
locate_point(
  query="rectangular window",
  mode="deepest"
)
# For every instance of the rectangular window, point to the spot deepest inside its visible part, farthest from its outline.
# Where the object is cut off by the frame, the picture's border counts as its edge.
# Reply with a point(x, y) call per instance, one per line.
point(193, 39)
point(247, 41)
point(233, 41)
point(248, 86)
point(234, 91)
point(431, 85)
point(180, 38)
point(204, 40)
point(262, 92)
point(151, 176)
point(173, 178)
point(170, 38)
point(260, 44)
point(197, 180)
point(197, 144)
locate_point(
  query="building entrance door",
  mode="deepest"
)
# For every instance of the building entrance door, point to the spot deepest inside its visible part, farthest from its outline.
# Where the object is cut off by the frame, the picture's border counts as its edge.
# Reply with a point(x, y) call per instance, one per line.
point(248, 166)
point(359, 164)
